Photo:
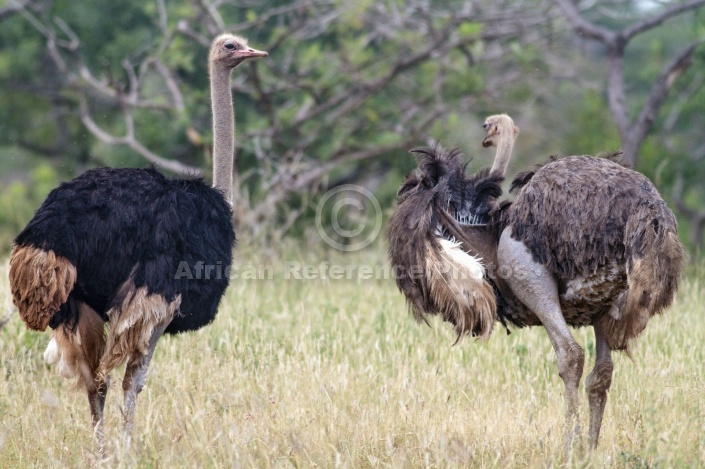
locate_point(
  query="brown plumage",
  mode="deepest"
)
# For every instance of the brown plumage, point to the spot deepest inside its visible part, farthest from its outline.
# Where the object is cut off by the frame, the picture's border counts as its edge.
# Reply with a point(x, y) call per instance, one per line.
point(133, 320)
point(636, 239)
point(586, 241)
point(434, 274)
point(40, 282)
point(77, 350)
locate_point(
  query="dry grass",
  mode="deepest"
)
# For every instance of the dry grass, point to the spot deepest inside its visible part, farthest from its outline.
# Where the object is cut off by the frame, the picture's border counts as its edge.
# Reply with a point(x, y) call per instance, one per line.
point(308, 373)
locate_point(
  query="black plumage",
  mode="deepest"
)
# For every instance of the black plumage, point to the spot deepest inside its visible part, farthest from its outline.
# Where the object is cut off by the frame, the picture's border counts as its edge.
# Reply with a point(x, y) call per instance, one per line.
point(134, 249)
point(112, 224)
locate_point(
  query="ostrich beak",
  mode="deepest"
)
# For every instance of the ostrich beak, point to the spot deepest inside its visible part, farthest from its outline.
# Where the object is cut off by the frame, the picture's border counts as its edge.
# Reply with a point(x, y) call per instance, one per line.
point(251, 53)
point(487, 142)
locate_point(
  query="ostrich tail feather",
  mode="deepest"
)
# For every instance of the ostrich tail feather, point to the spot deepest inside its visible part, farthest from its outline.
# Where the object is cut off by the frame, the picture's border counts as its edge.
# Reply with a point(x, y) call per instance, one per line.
point(40, 282)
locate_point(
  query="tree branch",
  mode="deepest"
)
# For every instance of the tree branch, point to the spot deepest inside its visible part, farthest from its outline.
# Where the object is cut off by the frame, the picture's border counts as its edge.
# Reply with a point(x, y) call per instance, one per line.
point(616, 97)
point(184, 28)
point(297, 181)
point(81, 80)
point(171, 85)
point(659, 90)
point(130, 141)
point(363, 91)
point(632, 134)
point(583, 26)
point(11, 9)
point(658, 19)
point(682, 100)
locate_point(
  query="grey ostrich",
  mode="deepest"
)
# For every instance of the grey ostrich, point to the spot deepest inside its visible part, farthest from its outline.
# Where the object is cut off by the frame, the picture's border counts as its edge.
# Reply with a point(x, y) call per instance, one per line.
point(586, 242)
point(105, 249)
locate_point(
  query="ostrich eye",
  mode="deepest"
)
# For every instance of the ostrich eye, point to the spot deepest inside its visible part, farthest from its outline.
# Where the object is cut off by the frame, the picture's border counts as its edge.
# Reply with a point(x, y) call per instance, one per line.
point(485, 126)
point(230, 46)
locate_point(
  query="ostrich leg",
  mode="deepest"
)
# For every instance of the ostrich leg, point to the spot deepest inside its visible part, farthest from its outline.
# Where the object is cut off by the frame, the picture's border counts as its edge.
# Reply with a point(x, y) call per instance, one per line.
point(96, 400)
point(597, 384)
point(535, 286)
point(135, 377)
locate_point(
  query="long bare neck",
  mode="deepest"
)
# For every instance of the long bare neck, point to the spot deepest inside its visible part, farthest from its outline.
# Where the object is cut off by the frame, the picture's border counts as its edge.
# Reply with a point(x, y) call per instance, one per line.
point(223, 131)
point(504, 151)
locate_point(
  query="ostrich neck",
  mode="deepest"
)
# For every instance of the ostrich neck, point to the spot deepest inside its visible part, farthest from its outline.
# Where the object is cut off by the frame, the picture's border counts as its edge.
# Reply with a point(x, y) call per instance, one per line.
point(504, 153)
point(223, 131)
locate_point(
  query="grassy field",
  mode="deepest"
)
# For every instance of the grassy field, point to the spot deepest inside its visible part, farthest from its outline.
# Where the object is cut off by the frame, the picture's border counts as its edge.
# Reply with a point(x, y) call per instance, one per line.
point(335, 373)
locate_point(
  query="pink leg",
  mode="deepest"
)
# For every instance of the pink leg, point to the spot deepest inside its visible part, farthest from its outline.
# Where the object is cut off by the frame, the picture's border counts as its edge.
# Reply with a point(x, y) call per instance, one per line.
point(535, 286)
point(135, 378)
point(136, 325)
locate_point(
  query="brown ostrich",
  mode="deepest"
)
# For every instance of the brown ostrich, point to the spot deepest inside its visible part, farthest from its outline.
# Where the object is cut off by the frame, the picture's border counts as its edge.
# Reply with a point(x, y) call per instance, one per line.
point(586, 242)
point(109, 249)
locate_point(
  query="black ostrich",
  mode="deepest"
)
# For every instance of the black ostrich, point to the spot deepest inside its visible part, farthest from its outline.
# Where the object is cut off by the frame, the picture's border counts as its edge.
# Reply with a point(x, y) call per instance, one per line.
point(108, 246)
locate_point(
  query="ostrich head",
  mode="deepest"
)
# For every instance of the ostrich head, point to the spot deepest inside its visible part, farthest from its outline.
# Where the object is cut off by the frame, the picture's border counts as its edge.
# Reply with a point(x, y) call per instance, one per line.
point(497, 126)
point(229, 51)
point(426, 241)
point(501, 133)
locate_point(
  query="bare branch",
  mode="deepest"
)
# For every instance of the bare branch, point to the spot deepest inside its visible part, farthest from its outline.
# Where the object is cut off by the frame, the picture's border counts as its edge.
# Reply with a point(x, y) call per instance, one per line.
point(96, 84)
point(36, 23)
point(163, 17)
point(297, 181)
point(658, 19)
point(356, 96)
point(73, 41)
point(632, 134)
point(11, 9)
point(583, 26)
point(616, 96)
point(130, 141)
point(171, 85)
point(184, 28)
point(212, 20)
point(684, 97)
point(82, 80)
point(213, 12)
point(659, 90)
point(133, 82)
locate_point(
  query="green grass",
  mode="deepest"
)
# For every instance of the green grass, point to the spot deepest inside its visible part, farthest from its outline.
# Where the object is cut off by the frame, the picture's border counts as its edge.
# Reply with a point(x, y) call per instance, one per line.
point(335, 373)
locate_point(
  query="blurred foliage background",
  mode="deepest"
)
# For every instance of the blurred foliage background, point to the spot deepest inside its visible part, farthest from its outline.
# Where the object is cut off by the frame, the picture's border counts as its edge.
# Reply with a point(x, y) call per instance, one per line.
point(348, 88)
